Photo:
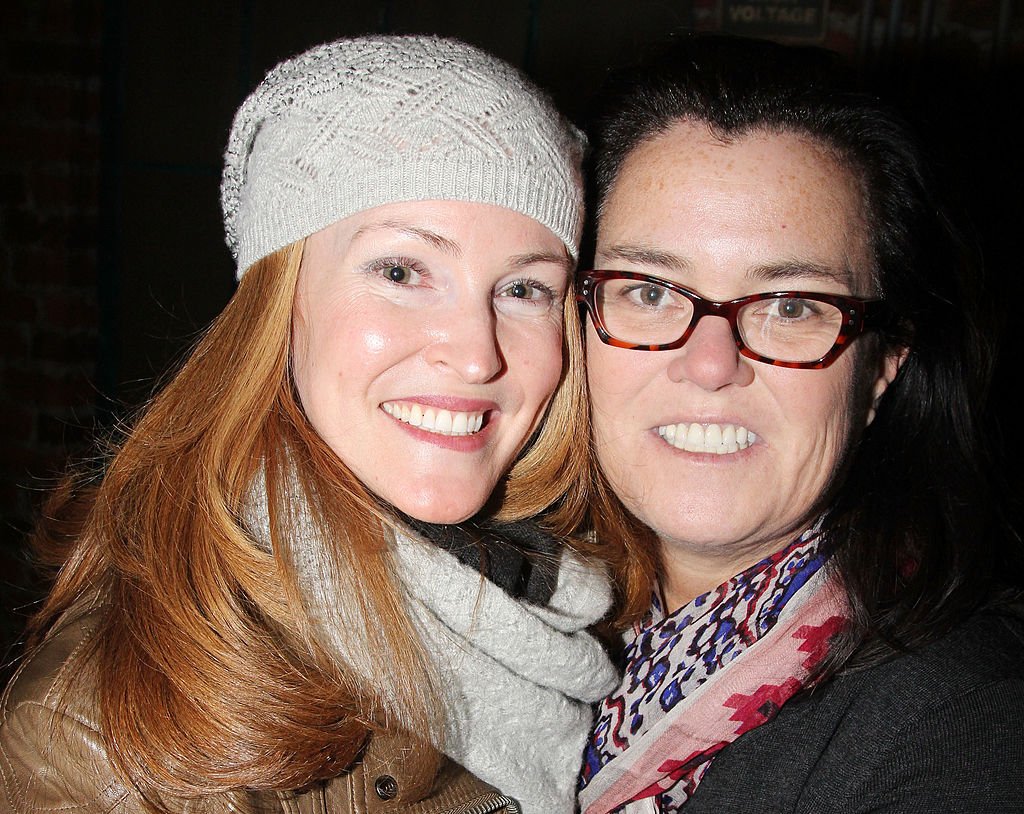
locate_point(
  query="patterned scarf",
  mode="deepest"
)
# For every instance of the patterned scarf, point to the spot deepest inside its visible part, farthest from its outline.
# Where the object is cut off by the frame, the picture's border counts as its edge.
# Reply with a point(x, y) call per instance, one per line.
point(689, 690)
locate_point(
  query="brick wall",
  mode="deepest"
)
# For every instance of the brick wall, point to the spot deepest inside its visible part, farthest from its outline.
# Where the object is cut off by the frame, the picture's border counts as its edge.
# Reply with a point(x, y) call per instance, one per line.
point(49, 176)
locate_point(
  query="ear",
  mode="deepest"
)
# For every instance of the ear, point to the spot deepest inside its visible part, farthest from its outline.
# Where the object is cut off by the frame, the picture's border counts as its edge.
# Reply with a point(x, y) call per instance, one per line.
point(889, 366)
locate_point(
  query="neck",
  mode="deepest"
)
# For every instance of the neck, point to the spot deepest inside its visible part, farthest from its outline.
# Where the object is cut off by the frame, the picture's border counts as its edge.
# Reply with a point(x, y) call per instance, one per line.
point(689, 570)
point(687, 574)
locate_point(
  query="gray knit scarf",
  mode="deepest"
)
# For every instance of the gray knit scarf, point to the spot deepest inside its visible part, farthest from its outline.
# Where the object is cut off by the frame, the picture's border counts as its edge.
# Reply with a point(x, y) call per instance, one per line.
point(517, 679)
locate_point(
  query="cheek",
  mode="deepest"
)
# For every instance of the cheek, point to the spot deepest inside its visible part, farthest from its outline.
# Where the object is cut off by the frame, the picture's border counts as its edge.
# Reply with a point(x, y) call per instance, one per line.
point(613, 384)
point(301, 353)
point(856, 389)
point(598, 366)
point(615, 377)
point(533, 362)
point(348, 339)
point(371, 341)
point(542, 362)
point(333, 355)
point(831, 413)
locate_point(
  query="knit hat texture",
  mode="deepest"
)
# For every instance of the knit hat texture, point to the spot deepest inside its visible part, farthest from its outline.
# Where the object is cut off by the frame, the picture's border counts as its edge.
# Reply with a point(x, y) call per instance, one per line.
point(363, 122)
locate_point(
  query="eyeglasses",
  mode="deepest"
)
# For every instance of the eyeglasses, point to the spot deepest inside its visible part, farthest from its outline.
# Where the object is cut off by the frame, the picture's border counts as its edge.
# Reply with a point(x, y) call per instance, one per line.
point(797, 329)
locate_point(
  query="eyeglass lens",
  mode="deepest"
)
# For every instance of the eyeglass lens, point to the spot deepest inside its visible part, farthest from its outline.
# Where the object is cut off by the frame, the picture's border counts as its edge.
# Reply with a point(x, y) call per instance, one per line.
point(782, 328)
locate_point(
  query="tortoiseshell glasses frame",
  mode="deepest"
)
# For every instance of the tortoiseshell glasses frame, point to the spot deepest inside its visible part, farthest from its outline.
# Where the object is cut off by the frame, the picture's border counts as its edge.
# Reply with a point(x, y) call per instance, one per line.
point(859, 315)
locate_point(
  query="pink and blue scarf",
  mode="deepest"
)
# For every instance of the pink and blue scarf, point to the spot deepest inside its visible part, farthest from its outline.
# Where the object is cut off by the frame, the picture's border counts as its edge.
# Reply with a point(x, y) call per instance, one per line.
point(698, 678)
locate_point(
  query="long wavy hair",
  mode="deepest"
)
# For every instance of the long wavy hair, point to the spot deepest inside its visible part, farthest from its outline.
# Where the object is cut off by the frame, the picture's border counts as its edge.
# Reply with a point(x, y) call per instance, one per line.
point(922, 539)
point(212, 674)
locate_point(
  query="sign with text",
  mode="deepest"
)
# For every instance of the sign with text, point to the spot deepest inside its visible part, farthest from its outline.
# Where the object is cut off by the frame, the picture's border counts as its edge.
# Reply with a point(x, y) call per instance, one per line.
point(789, 19)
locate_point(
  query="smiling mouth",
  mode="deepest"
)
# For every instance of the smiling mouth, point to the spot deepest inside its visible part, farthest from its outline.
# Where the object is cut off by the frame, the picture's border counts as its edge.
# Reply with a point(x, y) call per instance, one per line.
point(435, 419)
point(719, 439)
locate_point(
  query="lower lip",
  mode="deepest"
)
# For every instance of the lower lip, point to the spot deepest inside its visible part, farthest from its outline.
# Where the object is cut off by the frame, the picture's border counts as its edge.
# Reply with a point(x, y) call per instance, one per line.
point(456, 443)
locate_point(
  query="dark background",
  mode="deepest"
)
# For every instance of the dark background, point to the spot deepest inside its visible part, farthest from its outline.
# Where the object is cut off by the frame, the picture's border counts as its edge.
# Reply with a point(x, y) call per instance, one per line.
point(113, 116)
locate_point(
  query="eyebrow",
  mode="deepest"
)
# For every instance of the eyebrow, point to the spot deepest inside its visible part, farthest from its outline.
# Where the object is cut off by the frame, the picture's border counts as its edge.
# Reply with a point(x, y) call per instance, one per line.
point(767, 272)
point(646, 256)
point(452, 248)
point(532, 258)
point(802, 270)
point(439, 242)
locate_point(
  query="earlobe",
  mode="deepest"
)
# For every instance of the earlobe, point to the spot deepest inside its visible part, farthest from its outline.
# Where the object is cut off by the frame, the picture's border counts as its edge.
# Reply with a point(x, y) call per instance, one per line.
point(890, 366)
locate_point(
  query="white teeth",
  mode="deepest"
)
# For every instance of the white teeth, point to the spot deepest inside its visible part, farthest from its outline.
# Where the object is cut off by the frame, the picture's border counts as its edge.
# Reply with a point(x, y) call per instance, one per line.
point(720, 439)
point(432, 419)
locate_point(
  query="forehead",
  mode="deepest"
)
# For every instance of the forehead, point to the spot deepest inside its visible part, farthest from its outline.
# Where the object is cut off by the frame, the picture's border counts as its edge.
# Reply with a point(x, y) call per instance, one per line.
point(760, 198)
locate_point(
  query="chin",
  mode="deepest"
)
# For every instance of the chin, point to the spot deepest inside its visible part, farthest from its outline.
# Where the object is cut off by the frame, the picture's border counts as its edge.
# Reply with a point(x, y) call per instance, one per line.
point(437, 510)
point(443, 517)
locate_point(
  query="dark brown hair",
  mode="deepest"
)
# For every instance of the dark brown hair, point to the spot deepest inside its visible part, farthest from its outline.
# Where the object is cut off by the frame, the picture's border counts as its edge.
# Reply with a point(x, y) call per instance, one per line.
point(921, 540)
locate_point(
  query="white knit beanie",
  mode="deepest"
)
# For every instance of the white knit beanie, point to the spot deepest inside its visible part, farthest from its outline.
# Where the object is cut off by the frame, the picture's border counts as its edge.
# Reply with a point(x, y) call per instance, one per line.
point(362, 122)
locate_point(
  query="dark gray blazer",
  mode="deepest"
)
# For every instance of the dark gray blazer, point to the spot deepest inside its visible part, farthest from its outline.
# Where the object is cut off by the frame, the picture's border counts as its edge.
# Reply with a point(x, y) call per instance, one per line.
point(939, 731)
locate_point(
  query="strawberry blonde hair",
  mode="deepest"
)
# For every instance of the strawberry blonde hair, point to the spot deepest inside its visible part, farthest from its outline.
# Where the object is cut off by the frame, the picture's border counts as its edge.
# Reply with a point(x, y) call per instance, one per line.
point(211, 674)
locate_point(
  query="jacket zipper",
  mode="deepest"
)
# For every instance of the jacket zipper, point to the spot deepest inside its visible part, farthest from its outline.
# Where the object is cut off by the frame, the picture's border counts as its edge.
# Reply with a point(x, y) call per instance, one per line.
point(497, 803)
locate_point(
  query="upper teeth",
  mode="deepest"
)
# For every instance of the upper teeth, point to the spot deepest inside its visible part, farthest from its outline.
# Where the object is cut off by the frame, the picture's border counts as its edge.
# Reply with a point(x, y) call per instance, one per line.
point(717, 438)
point(433, 419)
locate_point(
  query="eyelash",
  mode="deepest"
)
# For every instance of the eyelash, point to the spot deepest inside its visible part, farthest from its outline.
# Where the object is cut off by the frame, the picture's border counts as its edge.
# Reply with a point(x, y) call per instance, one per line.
point(536, 285)
point(384, 263)
point(377, 267)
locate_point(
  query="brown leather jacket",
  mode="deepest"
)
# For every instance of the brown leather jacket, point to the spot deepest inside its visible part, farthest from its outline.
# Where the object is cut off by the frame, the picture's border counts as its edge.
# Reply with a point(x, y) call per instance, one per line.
point(52, 758)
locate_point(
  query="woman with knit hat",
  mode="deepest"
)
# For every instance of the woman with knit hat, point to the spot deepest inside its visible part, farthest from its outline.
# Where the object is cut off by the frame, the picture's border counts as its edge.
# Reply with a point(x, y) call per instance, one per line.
point(329, 569)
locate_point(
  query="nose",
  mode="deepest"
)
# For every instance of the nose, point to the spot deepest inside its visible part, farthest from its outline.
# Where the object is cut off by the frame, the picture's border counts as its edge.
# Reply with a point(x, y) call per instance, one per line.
point(710, 358)
point(465, 340)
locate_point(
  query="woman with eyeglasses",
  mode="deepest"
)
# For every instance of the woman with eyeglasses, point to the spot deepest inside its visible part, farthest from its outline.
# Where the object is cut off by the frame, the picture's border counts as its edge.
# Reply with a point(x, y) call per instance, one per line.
point(787, 368)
